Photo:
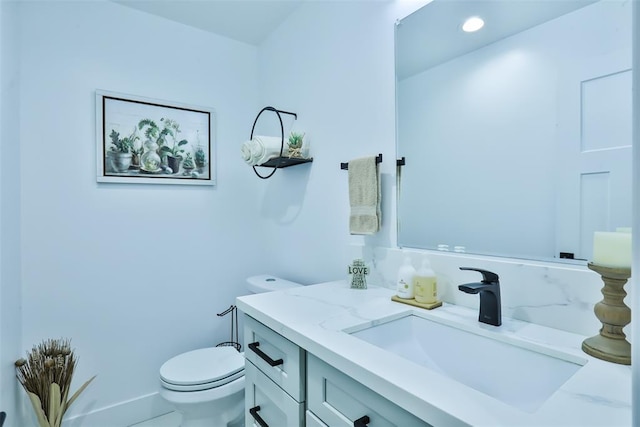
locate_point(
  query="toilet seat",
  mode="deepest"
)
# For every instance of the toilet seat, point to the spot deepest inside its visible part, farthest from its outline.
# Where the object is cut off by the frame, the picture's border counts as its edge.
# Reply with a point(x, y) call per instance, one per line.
point(202, 369)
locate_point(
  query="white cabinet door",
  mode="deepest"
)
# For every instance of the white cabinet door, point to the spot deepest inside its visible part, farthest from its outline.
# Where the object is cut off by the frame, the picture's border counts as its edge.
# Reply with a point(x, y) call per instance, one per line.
point(279, 359)
point(266, 404)
point(340, 401)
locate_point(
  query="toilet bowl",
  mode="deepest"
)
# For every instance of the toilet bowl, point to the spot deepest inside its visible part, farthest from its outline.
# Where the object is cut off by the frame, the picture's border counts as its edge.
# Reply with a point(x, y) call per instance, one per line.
point(206, 386)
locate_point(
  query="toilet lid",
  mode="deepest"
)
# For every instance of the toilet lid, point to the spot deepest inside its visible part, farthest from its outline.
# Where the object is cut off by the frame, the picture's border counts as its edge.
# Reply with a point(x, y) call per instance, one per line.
point(202, 366)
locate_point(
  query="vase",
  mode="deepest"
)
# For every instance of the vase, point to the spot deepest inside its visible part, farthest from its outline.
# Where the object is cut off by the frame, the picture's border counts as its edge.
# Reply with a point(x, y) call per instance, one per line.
point(174, 163)
point(150, 159)
point(120, 161)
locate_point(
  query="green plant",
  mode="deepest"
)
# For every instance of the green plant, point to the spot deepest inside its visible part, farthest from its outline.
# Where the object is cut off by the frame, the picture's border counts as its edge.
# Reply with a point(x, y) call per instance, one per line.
point(153, 132)
point(295, 140)
point(201, 156)
point(122, 145)
point(46, 376)
point(188, 163)
point(174, 130)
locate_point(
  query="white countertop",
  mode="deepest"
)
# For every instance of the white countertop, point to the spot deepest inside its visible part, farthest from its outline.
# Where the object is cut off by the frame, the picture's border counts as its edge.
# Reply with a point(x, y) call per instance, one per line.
point(315, 317)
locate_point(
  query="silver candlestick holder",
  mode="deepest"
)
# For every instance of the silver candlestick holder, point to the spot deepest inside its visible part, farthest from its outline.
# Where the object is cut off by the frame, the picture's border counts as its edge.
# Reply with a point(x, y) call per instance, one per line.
point(611, 344)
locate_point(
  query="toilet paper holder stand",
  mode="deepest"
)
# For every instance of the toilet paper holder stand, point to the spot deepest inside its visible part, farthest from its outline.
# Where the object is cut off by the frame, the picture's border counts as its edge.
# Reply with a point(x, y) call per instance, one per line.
point(233, 341)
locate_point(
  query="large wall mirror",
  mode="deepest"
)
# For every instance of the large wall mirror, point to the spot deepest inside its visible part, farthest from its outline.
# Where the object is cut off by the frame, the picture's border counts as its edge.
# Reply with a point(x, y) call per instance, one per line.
point(517, 137)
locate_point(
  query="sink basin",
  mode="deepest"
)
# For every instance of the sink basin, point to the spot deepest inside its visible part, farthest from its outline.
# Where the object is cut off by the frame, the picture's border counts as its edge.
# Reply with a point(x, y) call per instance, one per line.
point(521, 377)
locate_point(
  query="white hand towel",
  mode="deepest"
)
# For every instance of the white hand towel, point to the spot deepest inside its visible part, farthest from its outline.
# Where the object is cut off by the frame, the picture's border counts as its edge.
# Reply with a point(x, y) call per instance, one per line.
point(364, 196)
point(245, 151)
point(265, 148)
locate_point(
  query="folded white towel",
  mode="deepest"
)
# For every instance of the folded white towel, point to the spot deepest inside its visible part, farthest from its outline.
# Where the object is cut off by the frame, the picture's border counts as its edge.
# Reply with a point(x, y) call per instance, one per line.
point(245, 152)
point(364, 196)
point(262, 149)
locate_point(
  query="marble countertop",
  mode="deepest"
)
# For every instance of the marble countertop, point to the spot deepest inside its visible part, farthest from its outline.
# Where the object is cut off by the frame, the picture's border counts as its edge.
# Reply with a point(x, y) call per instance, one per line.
point(315, 317)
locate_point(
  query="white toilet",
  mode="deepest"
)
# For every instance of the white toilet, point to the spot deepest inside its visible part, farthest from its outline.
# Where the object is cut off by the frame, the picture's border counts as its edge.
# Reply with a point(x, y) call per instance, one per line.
point(206, 386)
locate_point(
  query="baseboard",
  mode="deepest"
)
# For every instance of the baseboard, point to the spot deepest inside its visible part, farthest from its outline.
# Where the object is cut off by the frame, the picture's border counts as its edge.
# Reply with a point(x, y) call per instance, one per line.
point(122, 414)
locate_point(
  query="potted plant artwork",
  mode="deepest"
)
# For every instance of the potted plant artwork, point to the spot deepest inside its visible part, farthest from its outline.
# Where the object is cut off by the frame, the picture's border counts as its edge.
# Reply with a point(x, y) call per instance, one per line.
point(120, 153)
point(200, 159)
point(150, 161)
point(135, 156)
point(173, 153)
point(154, 133)
point(188, 164)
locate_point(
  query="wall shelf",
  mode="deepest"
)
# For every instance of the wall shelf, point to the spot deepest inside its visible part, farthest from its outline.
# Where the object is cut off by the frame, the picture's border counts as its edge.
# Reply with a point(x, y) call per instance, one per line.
point(278, 162)
point(285, 162)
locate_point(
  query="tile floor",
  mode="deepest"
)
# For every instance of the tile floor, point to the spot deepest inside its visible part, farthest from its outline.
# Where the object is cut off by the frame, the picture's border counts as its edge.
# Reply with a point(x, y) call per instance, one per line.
point(171, 419)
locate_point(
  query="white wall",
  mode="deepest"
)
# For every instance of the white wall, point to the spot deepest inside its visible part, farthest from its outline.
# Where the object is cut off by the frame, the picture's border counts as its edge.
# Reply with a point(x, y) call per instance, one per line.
point(333, 64)
point(133, 274)
point(10, 214)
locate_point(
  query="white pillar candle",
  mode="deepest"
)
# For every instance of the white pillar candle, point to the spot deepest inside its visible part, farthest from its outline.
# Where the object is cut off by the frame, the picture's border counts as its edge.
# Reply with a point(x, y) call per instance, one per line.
point(612, 249)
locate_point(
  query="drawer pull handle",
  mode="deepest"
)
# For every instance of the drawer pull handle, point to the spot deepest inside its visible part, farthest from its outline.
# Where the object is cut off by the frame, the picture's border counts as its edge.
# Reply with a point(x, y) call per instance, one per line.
point(362, 422)
point(254, 347)
point(254, 413)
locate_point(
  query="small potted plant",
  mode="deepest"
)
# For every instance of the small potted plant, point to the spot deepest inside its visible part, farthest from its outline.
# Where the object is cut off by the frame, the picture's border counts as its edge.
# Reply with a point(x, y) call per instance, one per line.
point(135, 157)
point(121, 150)
point(200, 159)
point(188, 164)
point(295, 144)
point(173, 153)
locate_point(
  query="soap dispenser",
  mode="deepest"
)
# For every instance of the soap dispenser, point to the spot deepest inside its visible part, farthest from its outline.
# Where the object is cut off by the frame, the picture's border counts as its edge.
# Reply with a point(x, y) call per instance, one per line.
point(404, 284)
point(425, 284)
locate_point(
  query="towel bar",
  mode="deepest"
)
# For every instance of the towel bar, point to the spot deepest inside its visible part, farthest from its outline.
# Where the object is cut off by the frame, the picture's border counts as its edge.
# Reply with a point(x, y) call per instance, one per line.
point(345, 166)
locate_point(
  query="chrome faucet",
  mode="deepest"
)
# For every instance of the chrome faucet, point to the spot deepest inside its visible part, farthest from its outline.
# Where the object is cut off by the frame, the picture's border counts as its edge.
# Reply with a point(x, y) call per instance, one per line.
point(489, 290)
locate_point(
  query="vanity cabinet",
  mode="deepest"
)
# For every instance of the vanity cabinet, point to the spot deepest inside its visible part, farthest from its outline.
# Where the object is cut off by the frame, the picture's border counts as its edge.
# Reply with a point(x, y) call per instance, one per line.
point(275, 378)
point(287, 387)
point(337, 400)
point(266, 404)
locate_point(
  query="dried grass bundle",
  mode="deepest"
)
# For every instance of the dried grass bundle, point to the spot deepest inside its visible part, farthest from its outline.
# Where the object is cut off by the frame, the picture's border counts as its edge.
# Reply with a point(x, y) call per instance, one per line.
point(46, 376)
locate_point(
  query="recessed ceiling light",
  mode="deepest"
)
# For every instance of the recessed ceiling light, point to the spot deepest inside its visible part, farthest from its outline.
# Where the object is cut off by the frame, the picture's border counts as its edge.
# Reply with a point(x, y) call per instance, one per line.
point(472, 24)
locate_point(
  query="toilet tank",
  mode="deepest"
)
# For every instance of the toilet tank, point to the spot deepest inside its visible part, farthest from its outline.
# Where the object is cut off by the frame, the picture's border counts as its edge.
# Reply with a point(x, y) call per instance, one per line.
point(267, 283)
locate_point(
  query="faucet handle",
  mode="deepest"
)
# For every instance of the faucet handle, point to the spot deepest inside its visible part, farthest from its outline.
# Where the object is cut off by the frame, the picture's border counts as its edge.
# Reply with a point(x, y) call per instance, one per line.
point(487, 276)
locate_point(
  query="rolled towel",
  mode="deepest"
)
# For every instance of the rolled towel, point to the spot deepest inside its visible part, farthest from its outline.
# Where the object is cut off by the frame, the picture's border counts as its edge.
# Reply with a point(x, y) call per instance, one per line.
point(245, 152)
point(265, 148)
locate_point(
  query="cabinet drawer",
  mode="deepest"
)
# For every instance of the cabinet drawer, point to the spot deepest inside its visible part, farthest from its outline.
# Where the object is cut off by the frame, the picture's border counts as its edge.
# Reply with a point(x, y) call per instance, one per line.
point(262, 346)
point(265, 400)
point(339, 400)
point(313, 421)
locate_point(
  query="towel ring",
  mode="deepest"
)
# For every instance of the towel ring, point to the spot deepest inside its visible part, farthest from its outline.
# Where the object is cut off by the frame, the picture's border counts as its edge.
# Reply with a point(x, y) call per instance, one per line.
point(275, 167)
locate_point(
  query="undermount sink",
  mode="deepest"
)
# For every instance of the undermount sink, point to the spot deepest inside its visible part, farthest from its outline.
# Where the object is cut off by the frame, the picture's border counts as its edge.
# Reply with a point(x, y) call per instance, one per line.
point(521, 377)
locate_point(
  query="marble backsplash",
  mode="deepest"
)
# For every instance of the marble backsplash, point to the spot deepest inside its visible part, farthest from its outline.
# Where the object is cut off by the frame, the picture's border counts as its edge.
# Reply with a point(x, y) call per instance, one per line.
point(560, 296)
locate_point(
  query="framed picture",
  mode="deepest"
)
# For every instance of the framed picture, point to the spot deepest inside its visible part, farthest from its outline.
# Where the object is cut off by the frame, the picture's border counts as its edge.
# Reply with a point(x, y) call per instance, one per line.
point(142, 140)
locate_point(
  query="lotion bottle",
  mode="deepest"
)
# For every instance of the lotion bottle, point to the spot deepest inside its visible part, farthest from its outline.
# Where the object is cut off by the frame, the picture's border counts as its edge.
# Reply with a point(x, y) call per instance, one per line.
point(425, 284)
point(404, 284)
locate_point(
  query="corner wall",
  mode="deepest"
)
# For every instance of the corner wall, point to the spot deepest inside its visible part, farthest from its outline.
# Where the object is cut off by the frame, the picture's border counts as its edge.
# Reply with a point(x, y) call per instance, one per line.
point(10, 280)
point(134, 274)
point(333, 64)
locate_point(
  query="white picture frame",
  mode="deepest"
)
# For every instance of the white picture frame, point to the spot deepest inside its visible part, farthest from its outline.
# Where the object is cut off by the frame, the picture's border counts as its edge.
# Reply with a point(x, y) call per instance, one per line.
point(148, 141)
